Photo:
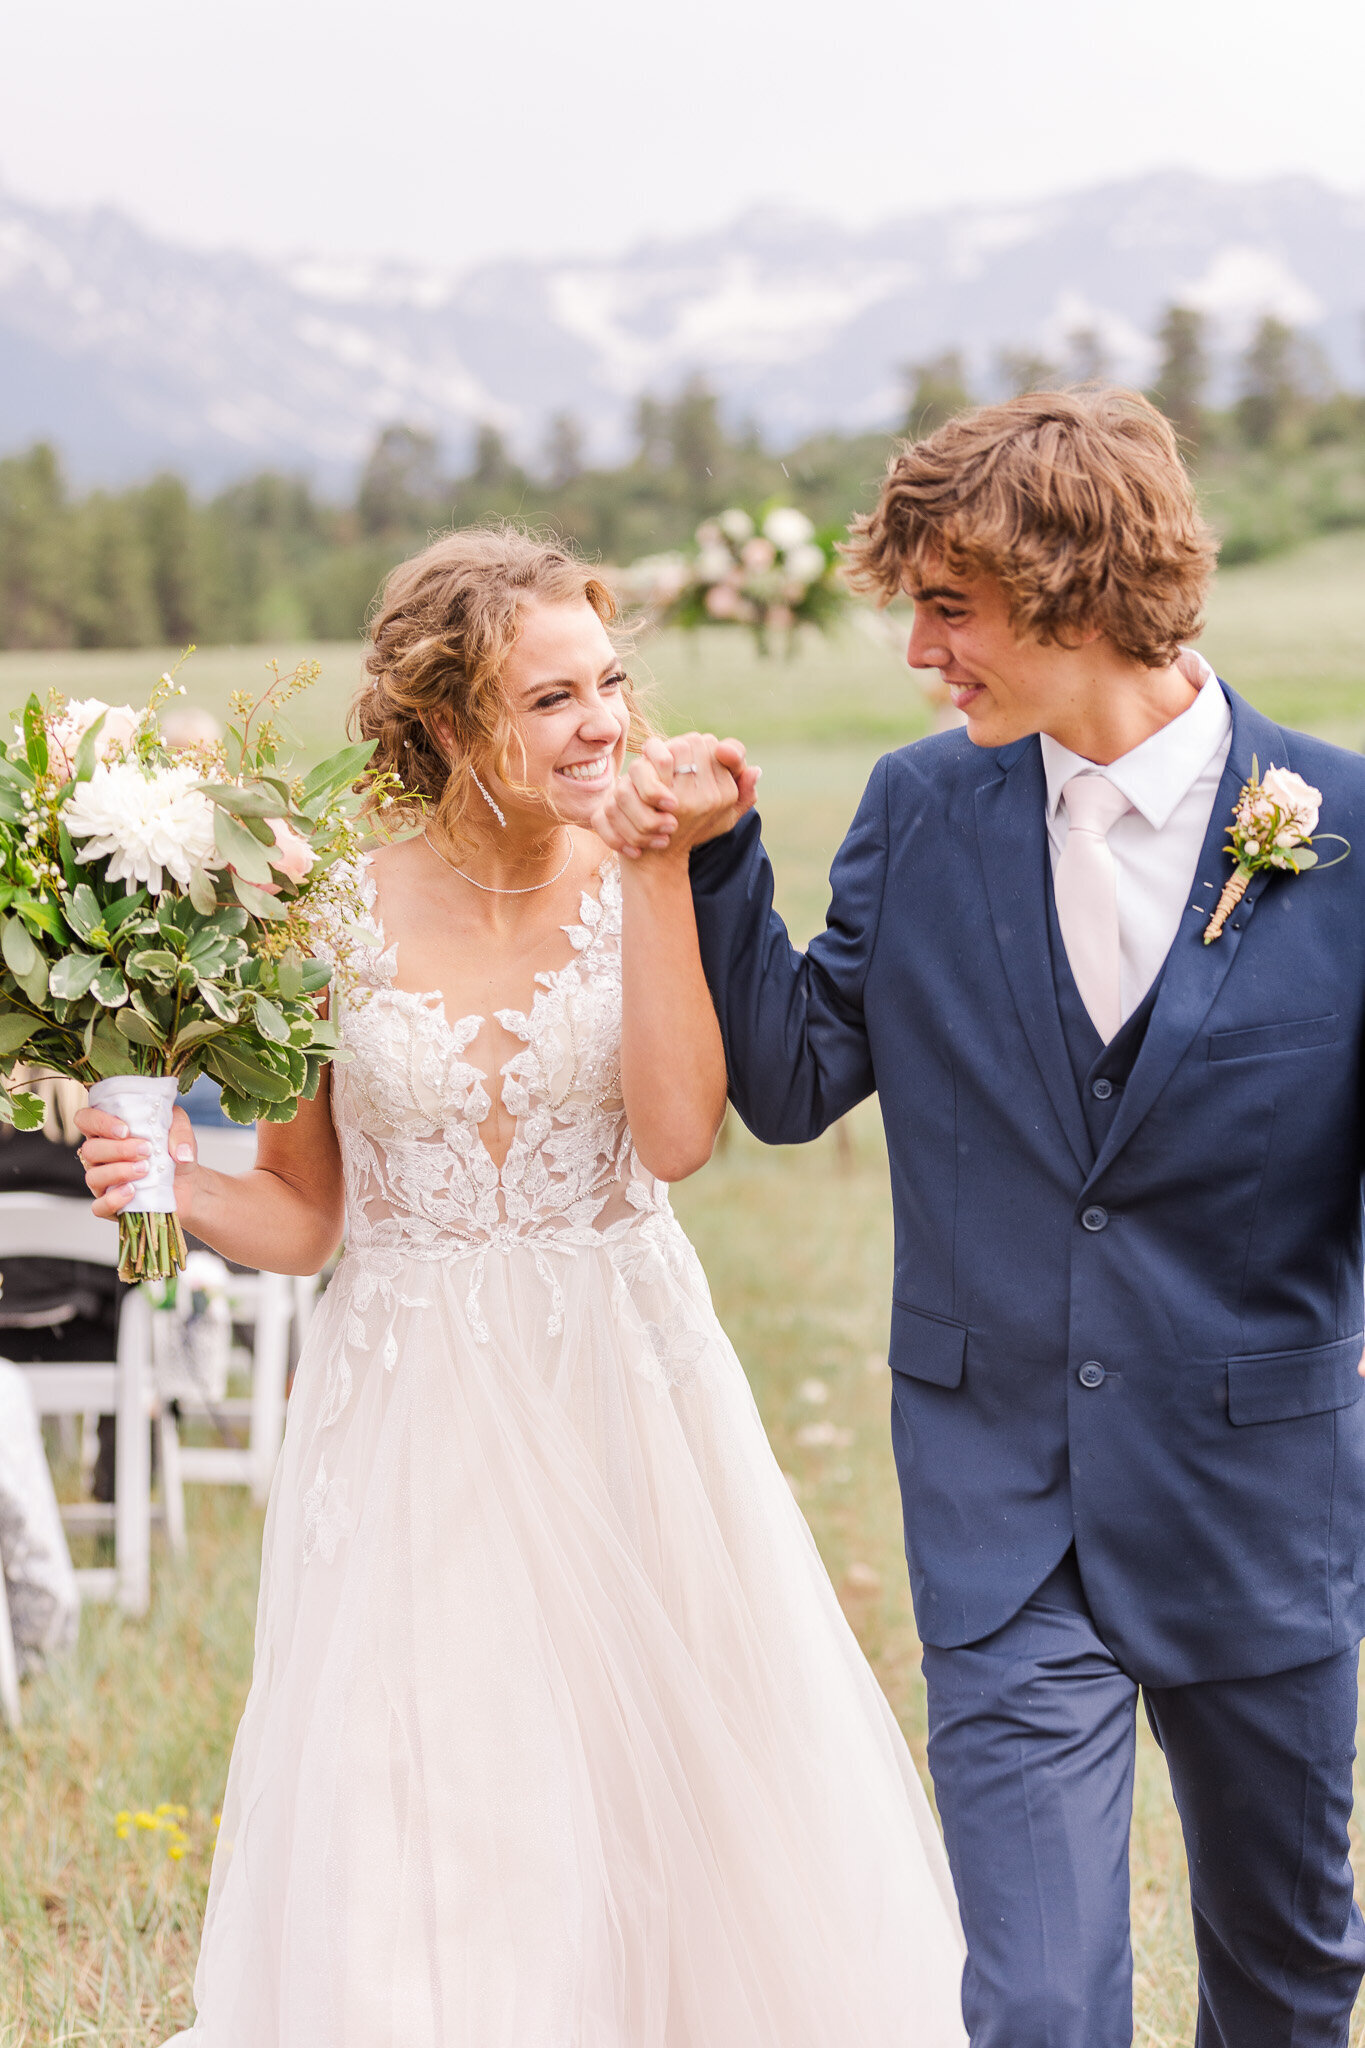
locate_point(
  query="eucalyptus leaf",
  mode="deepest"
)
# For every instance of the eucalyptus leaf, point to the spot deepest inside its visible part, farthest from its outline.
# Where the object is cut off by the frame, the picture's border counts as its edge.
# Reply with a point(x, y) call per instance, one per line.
point(203, 891)
point(336, 773)
point(110, 1053)
point(242, 850)
point(239, 1071)
point(242, 803)
point(16, 1029)
point(21, 955)
point(258, 901)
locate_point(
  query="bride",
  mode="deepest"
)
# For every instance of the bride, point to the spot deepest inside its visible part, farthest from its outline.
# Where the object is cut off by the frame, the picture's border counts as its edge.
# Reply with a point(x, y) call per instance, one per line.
point(557, 1736)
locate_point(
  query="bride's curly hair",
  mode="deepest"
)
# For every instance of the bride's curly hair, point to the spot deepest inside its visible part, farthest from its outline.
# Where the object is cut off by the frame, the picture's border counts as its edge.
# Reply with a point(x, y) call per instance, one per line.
point(438, 641)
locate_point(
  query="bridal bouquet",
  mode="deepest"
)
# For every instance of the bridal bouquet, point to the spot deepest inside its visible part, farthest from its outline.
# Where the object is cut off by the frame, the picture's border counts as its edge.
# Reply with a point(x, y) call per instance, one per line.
point(160, 914)
point(771, 575)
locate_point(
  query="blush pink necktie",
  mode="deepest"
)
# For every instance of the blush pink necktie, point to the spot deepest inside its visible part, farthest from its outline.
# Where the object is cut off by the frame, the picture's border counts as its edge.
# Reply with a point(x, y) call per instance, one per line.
point(1085, 886)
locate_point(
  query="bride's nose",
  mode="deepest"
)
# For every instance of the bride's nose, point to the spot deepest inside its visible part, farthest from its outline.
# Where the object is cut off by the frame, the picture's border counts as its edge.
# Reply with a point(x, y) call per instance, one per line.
point(600, 722)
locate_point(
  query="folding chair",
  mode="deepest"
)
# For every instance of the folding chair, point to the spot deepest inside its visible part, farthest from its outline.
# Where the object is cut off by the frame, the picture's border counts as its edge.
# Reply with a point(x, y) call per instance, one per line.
point(272, 1304)
point(56, 1226)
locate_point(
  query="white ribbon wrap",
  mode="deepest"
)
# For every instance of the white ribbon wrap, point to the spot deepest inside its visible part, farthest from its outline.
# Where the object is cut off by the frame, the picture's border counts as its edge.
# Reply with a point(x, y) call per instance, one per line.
point(144, 1102)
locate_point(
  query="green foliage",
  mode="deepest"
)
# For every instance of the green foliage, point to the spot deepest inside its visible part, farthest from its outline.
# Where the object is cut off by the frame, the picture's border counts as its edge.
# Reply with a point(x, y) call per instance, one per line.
point(98, 978)
point(1183, 373)
point(265, 560)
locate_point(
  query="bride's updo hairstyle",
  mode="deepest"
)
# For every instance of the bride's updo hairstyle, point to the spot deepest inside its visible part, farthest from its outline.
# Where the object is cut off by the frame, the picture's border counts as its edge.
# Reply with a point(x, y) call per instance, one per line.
point(439, 637)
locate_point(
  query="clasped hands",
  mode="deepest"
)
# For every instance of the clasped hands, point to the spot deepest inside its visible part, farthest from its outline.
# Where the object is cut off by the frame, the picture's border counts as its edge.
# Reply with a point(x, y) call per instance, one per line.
point(676, 794)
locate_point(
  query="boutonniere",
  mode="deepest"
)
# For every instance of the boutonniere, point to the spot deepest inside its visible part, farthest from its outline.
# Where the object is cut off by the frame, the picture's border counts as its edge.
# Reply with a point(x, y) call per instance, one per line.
point(1272, 827)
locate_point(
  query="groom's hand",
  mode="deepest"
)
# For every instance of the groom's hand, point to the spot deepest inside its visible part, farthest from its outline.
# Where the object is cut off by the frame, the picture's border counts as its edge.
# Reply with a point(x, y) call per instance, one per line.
point(676, 794)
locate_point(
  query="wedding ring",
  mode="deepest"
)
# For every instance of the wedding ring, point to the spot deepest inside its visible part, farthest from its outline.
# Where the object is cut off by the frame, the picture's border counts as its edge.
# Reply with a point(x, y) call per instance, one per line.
point(686, 768)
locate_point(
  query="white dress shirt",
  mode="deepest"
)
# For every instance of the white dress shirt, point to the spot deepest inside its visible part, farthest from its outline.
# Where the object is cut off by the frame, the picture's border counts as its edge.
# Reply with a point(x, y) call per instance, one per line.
point(1170, 781)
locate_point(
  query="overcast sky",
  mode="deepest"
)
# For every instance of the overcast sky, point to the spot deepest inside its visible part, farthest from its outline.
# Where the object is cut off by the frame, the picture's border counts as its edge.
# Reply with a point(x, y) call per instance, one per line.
point(449, 132)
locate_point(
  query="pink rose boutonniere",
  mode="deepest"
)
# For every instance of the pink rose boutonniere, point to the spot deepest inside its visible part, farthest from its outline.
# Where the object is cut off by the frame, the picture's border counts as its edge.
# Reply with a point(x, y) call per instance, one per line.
point(1272, 827)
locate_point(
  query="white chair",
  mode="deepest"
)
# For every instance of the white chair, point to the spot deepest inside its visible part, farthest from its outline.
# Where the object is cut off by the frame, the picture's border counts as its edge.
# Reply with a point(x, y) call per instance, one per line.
point(56, 1226)
point(272, 1303)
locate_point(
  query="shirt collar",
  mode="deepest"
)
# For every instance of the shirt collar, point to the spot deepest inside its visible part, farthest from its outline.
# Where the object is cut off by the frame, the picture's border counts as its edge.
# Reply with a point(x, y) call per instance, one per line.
point(1160, 773)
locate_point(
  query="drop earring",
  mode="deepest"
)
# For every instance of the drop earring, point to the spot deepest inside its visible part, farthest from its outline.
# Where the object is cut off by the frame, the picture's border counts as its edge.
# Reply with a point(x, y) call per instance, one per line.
point(488, 799)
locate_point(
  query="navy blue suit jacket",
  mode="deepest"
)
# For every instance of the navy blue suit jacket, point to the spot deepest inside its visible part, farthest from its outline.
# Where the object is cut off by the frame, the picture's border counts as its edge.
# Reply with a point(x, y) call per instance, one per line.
point(1214, 1481)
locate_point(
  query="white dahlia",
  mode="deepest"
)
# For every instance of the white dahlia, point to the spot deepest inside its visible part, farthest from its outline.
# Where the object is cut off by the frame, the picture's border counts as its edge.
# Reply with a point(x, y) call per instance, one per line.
point(806, 563)
point(147, 823)
point(787, 528)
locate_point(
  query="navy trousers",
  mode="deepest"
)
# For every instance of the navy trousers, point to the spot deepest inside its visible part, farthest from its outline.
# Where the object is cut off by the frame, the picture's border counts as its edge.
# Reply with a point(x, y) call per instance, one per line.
point(1032, 1735)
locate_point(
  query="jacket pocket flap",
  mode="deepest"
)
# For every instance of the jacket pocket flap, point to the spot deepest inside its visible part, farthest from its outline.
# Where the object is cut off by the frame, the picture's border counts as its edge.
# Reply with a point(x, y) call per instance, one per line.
point(1280, 1386)
point(927, 1347)
point(1263, 1038)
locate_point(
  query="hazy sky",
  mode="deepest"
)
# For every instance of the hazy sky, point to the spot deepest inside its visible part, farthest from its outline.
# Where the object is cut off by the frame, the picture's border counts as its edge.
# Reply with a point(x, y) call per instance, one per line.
point(440, 130)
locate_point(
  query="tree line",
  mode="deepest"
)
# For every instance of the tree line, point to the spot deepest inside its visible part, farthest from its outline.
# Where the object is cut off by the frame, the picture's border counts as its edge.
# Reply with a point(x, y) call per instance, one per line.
point(267, 558)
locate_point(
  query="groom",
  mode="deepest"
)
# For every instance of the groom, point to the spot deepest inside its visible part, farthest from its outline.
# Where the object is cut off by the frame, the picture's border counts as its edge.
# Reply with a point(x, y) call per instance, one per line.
point(1126, 1170)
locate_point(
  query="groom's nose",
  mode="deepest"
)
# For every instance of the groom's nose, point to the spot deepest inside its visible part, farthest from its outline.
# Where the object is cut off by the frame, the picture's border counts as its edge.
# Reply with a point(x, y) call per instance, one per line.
point(925, 651)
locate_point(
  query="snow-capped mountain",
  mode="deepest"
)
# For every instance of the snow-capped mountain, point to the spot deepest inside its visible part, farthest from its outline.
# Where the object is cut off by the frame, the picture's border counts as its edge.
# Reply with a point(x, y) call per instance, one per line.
point(131, 352)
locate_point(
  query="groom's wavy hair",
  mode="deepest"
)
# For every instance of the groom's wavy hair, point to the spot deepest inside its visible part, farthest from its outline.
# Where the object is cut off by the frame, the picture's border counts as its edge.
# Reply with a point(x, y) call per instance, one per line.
point(439, 636)
point(1077, 501)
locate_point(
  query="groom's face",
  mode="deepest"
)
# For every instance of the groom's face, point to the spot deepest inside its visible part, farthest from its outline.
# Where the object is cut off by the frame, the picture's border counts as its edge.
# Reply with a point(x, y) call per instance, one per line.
point(1006, 685)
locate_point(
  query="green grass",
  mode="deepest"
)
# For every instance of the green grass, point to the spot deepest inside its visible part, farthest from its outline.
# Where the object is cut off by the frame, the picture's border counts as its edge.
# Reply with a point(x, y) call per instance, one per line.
point(98, 1935)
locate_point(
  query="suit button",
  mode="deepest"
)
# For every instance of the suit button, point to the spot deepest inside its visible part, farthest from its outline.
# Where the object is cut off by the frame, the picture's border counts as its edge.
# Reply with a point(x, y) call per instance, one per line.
point(1094, 1219)
point(1101, 1090)
point(1091, 1373)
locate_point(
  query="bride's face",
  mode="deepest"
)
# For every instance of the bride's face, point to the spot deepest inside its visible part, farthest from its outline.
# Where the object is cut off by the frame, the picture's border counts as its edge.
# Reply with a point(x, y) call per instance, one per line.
point(566, 687)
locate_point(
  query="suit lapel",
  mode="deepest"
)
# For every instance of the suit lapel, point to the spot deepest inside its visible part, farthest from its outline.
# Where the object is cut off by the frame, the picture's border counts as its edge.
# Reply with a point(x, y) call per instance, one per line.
point(1194, 973)
point(1011, 827)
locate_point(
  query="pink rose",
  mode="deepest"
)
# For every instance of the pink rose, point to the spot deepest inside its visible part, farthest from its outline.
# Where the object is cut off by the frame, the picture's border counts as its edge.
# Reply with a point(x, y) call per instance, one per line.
point(69, 728)
point(1295, 797)
point(722, 602)
point(293, 856)
point(758, 554)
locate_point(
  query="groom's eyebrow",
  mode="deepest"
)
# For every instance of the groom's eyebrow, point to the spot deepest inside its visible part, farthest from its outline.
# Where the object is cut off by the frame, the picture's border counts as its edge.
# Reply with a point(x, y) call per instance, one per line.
point(938, 590)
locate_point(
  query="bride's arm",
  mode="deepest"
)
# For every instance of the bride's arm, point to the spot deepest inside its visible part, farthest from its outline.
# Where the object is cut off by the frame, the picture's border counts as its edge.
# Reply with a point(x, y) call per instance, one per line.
point(285, 1216)
point(672, 1059)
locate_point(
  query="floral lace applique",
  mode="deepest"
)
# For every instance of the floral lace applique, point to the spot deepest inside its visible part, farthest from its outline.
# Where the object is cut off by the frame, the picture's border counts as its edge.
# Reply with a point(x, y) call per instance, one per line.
point(422, 1187)
point(326, 1516)
point(677, 1344)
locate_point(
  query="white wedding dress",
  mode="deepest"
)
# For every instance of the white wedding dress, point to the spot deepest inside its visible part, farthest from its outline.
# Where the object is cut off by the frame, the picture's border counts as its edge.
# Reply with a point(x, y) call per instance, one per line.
point(557, 1736)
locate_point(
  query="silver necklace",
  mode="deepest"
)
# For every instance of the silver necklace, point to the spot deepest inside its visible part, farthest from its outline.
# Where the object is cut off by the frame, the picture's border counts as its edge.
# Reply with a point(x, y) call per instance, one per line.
point(487, 887)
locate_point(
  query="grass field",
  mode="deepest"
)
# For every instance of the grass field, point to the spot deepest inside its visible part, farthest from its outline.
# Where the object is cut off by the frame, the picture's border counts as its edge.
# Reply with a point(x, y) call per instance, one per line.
point(98, 1933)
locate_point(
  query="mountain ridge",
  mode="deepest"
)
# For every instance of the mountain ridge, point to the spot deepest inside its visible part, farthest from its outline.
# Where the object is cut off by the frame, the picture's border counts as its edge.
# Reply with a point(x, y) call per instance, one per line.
point(132, 352)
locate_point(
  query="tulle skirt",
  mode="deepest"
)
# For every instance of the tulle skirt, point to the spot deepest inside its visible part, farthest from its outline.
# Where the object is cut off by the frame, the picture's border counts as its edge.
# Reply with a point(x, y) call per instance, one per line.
point(557, 1736)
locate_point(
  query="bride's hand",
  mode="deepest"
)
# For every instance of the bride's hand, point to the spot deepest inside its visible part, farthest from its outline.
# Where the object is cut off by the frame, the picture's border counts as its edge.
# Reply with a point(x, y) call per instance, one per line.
point(114, 1161)
point(677, 794)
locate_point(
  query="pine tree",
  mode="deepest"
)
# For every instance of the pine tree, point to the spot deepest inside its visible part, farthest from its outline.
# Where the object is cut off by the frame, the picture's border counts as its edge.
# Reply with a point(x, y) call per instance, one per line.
point(1183, 373)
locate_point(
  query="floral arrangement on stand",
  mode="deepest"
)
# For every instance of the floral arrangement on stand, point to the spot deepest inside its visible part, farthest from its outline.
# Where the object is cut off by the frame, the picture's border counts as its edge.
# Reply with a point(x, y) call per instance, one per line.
point(160, 917)
point(771, 574)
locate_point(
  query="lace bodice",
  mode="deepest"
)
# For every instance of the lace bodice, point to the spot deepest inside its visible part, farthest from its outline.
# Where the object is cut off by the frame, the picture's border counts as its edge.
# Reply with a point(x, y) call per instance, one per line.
point(409, 1107)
